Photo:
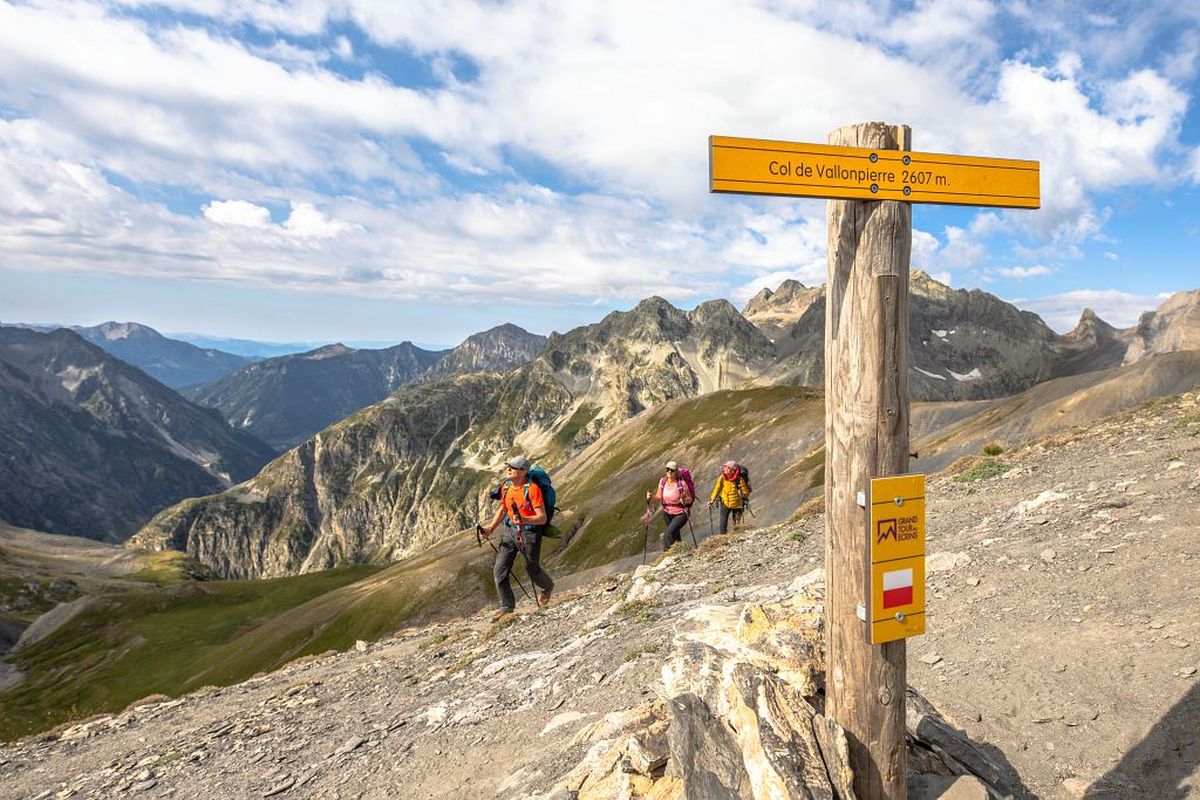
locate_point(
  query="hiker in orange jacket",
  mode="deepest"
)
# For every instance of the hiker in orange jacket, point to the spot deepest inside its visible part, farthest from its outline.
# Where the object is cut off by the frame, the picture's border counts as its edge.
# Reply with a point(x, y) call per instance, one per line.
point(521, 501)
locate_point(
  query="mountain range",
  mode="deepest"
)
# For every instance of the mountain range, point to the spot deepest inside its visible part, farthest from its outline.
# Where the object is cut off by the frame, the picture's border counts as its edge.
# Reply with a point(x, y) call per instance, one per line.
point(285, 400)
point(963, 345)
point(93, 446)
point(170, 361)
point(404, 473)
point(371, 479)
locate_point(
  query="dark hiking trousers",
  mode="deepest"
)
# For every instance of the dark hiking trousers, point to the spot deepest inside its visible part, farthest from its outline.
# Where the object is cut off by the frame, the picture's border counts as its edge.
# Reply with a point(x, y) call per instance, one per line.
point(726, 513)
point(507, 554)
point(674, 530)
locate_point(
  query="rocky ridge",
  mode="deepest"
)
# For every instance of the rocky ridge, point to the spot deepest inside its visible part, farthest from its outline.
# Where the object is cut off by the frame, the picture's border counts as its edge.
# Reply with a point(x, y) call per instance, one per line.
point(1059, 652)
point(498, 349)
point(93, 446)
point(963, 345)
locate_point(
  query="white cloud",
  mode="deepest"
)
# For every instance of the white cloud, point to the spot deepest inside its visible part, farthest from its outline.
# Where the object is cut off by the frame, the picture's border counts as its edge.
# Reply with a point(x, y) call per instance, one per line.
point(617, 98)
point(306, 220)
point(943, 277)
point(1025, 272)
point(924, 249)
point(1062, 311)
point(962, 251)
point(237, 212)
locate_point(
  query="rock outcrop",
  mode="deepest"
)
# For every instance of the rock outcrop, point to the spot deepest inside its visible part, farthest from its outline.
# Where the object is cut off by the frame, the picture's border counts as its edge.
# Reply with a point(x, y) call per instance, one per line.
point(1173, 326)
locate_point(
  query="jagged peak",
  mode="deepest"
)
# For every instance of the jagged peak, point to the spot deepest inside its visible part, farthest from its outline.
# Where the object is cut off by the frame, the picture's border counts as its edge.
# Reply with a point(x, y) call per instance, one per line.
point(328, 351)
point(789, 290)
point(653, 304)
point(506, 330)
point(718, 308)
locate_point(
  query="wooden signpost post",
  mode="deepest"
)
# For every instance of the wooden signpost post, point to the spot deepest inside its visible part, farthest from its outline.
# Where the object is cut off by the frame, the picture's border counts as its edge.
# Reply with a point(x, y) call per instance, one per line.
point(874, 587)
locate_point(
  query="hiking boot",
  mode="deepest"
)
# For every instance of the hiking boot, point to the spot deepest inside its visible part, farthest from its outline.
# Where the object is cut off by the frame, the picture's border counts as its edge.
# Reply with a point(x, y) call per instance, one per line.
point(544, 596)
point(500, 614)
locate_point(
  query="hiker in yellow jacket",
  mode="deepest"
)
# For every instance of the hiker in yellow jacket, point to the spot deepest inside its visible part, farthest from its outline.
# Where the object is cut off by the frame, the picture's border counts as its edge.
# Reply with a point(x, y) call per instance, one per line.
point(733, 490)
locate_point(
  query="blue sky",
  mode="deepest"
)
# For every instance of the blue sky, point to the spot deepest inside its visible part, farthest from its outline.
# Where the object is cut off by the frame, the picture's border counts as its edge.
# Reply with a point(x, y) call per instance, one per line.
point(372, 170)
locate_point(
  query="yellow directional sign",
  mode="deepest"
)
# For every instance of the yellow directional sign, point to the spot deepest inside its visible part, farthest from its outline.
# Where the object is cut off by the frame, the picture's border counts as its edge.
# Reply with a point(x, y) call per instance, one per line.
point(796, 169)
point(896, 558)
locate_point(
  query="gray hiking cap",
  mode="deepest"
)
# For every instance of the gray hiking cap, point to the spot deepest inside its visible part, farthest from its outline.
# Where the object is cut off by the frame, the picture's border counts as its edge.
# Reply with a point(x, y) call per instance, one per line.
point(519, 462)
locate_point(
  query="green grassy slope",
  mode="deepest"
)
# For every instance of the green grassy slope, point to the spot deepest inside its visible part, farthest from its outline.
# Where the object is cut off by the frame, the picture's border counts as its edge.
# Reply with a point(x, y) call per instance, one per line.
point(139, 642)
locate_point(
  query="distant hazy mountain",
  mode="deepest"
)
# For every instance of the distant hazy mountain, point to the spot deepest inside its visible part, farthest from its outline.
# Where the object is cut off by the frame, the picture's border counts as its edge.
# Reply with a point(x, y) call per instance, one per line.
point(92, 446)
point(501, 348)
point(287, 399)
point(173, 362)
point(256, 350)
point(177, 364)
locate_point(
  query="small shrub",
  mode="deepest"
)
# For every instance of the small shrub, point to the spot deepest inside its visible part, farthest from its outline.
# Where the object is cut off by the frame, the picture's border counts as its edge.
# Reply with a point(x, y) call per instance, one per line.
point(987, 468)
point(714, 542)
point(993, 449)
point(1173, 457)
point(637, 610)
point(798, 536)
point(631, 655)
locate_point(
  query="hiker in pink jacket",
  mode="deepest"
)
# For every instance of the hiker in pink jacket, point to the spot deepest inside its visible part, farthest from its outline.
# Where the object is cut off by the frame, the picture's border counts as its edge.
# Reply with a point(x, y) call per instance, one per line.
point(676, 493)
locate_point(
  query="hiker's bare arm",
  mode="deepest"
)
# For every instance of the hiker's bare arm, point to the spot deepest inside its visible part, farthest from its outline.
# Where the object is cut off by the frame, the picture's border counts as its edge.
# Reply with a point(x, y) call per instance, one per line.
point(538, 518)
point(499, 515)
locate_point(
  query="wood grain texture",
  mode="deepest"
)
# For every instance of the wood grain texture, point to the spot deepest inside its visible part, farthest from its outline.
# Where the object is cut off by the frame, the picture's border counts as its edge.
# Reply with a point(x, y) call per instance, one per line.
point(866, 436)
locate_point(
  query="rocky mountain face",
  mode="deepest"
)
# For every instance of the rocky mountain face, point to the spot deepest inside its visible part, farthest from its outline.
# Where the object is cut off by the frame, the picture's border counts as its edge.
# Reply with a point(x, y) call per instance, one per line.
point(92, 446)
point(285, 400)
point(499, 349)
point(776, 312)
point(1175, 325)
point(963, 345)
point(408, 471)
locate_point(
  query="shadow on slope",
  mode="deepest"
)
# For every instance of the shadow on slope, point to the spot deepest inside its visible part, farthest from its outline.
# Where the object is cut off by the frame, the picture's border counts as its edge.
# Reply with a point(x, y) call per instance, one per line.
point(1160, 764)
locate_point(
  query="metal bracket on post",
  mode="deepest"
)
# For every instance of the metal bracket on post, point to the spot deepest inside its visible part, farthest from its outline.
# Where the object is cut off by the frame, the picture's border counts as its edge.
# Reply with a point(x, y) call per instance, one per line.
point(862, 499)
point(861, 612)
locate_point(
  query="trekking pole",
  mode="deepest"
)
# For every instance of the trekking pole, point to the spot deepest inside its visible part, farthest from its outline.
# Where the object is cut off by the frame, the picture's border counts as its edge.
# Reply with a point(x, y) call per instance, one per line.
point(521, 547)
point(646, 537)
point(711, 530)
point(691, 530)
point(479, 537)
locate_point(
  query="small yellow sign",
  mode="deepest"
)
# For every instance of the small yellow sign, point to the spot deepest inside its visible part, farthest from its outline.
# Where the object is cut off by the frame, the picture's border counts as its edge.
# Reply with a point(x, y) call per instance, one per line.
point(796, 169)
point(896, 558)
